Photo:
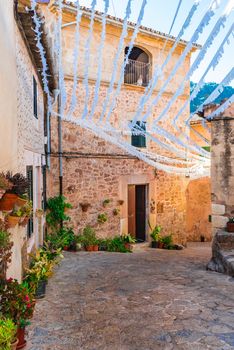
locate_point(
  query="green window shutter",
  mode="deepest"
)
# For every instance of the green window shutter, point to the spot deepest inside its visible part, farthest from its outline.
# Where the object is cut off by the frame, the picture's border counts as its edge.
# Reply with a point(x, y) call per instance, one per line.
point(139, 140)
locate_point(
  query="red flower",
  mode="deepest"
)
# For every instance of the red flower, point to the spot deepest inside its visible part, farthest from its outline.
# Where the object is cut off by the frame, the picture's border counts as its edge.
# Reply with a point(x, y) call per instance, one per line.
point(9, 280)
point(29, 305)
point(26, 297)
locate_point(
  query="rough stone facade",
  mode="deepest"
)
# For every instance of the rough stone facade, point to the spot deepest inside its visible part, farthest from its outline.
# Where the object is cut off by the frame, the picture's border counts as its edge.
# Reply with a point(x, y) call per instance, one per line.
point(222, 175)
point(88, 177)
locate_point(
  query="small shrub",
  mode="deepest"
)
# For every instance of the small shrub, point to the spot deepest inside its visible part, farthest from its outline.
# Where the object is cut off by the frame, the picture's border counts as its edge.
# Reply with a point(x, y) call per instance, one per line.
point(56, 212)
point(102, 218)
point(106, 202)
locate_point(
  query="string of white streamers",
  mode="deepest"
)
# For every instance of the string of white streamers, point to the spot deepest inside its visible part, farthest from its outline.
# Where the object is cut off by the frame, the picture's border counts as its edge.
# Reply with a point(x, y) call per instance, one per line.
point(87, 59)
point(158, 71)
point(117, 56)
point(100, 60)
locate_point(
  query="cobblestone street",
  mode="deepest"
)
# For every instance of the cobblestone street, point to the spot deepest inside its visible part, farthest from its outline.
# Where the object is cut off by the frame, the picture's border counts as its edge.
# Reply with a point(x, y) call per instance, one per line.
point(153, 299)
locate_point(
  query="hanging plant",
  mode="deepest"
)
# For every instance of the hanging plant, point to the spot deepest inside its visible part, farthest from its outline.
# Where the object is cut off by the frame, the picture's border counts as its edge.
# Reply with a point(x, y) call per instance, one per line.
point(116, 211)
point(120, 201)
point(85, 206)
point(106, 202)
point(102, 218)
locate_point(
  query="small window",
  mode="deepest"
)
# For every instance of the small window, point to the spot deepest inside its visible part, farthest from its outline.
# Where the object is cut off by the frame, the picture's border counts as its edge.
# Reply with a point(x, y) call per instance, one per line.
point(139, 140)
point(35, 97)
point(29, 170)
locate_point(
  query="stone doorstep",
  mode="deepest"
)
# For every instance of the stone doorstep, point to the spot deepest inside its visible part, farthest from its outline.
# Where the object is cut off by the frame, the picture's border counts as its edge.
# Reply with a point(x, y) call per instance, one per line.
point(140, 247)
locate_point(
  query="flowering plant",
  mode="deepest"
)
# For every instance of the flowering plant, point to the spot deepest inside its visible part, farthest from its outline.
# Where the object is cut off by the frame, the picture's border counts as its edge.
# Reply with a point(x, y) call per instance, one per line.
point(16, 301)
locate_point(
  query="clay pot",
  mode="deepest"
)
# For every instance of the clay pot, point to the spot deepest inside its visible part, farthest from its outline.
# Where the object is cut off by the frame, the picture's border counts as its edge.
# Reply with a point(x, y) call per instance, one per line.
point(95, 248)
point(66, 248)
point(154, 244)
point(21, 337)
point(230, 227)
point(84, 206)
point(12, 221)
point(8, 201)
point(21, 202)
point(89, 248)
point(41, 289)
point(127, 246)
point(14, 345)
point(161, 245)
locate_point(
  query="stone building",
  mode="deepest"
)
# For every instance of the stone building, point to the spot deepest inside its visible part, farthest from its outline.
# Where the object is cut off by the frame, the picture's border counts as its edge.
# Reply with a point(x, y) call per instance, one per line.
point(22, 115)
point(96, 175)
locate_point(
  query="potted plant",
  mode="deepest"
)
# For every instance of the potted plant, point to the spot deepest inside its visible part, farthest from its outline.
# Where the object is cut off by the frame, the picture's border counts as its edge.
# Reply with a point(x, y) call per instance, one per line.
point(8, 338)
point(167, 242)
point(120, 201)
point(230, 224)
point(116, 211)
point(56, 207)
point(106, 202)
point(102, 218)
point(155, 235)
point(26, 210)
point(85, 206)
point(17, 194)
point(89, 239)
point(5, 184)
point(128, 241)
point(16, 303)
point(14, 217)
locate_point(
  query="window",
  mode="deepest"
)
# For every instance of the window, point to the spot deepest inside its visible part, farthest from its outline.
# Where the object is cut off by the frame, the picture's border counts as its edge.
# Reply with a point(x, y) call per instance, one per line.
point(29, 171)
point(35, 97)
point(140, 139)
point(137, 70)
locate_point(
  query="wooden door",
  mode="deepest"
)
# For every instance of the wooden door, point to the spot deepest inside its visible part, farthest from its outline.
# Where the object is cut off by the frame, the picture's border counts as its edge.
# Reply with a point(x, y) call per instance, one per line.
point(140, 210)
point(131, 210)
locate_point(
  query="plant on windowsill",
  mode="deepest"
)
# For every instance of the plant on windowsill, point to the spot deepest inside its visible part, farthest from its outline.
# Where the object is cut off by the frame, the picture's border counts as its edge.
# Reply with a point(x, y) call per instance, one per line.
point(8, 338)
point(17, 194)
point(102, 218)
point(230, 224)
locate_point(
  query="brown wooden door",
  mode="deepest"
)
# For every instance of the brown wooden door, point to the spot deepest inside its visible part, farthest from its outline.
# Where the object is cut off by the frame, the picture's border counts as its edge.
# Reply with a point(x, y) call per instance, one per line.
point(131, 210)
point(140, 210)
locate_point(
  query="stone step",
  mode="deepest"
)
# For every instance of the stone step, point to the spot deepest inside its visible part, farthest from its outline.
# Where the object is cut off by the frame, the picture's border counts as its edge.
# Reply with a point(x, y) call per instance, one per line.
point(138, 247)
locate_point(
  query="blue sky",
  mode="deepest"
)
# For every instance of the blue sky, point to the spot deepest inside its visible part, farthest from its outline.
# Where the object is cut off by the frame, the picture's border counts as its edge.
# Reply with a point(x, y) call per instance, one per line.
point(159, 15)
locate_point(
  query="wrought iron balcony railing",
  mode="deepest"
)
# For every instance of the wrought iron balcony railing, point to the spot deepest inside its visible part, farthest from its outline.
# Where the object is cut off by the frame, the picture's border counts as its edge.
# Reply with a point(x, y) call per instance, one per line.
point(137, 73)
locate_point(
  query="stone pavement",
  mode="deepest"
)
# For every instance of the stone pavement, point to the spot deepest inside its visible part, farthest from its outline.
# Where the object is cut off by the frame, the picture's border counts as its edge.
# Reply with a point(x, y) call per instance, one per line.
point(154, 299)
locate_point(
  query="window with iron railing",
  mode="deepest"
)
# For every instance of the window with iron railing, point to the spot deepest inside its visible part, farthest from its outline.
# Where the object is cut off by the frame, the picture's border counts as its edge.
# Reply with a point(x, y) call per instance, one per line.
point(137, 73)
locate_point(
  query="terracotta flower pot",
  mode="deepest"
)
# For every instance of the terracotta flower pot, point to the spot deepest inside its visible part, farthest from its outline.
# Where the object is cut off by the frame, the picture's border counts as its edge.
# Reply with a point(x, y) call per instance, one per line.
point(66, 248)
point(21, 337)
point(21, 202)
point(14, 345)
point(1, 193)
point(161, 245)
point(12, 221)
point(230, 227)
point(128, 246)
point(95, 248)
point(89, 248)
point(8, 201)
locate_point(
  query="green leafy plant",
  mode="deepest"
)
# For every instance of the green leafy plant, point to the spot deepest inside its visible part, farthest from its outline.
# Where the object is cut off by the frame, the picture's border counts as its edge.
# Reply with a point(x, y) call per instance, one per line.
point(106, 202)
point(155, 234)
point(19, 182)
point(16, 301)
point(7, 333)
point(231, 220)
point(56, 207)
point(5, 184)
point(116, 211)
point(167, 241)
point(117, 244)
point(88, 237)
point(5, 250)
point(127, 238)
point(102, 218)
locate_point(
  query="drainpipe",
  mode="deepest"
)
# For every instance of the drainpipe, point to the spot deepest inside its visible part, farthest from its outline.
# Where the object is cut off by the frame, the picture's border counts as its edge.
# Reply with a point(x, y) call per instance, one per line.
point(60, 148)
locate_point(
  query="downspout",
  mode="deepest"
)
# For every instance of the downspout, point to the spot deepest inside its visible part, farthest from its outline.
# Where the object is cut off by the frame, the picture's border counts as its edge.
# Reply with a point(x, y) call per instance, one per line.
point(60, 148)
